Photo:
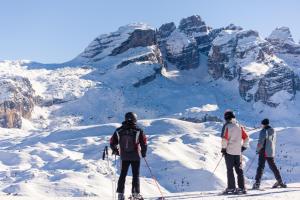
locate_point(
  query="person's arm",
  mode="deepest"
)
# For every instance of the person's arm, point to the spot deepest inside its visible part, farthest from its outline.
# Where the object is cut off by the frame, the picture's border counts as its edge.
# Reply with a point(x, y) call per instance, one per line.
point(225, 139)
point(143, 143)
point(261, 141)
point(114, 141)
point(245, 138)
point(223, 130)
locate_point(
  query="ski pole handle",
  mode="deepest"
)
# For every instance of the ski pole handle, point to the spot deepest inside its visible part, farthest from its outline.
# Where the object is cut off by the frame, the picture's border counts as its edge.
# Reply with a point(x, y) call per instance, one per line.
point(103, 155)
point(106, 151)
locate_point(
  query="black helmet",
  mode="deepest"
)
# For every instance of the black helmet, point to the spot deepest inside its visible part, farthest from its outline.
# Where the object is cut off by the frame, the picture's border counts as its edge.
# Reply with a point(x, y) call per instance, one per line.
point(265, 122)
point(228, 115)
point(130, 117)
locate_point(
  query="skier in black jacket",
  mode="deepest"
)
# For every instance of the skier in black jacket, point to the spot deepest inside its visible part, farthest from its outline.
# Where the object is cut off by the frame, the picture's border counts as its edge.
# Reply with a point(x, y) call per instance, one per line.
point(129, 141)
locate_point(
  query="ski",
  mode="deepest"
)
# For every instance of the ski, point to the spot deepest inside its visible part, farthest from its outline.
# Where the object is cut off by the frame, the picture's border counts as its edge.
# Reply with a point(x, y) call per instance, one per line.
point(259, 189)
point(135, 198)
point(226, 194)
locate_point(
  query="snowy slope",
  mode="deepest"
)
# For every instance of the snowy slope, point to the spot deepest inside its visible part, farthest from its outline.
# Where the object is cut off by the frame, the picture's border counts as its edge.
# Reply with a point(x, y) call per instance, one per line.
point(58, 152)
point(182, 156)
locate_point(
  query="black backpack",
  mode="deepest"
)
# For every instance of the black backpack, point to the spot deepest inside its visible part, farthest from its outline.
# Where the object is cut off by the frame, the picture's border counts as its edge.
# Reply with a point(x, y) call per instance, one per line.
point(128, 140)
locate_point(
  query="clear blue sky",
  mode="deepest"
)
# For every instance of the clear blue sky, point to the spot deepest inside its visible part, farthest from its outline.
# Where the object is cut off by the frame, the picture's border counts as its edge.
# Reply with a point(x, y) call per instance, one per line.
point(58, 30)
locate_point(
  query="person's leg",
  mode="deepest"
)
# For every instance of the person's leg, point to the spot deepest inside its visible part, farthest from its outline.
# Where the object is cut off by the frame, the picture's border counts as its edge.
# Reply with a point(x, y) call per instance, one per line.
point(274, 169)
point(260, 168)
point(122, 178)
point(135, 166)
point(229, 159)
point(239, 171)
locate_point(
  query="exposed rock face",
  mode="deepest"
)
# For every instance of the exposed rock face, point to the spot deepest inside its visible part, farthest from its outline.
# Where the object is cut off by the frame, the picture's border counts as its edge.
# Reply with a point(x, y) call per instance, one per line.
point(279, 78)
point(243, 55)
point(138, 38)
point(286, 49)
point(138, 52)
point(283, 42)
point(130, 56)
point(127, 37)
point(181, 50)
point(182, 46)
point(17, 100)
point(231, 49)
point(165, 30)
point(196, 28)
point(155, 58)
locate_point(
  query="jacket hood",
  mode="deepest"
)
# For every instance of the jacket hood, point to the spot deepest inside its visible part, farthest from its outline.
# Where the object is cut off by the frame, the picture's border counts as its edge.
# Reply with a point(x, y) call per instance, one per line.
point(267, 127)
point(129, 124)
point(233, 120)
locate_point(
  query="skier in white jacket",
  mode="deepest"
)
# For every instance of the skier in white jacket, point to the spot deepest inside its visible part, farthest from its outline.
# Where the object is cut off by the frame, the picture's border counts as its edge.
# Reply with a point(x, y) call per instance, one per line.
point(234, 141)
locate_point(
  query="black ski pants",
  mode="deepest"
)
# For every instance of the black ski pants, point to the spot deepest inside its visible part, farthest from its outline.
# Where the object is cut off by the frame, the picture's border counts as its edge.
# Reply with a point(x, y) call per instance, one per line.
point(135, 167)
point(261, 166)
point(234, 161)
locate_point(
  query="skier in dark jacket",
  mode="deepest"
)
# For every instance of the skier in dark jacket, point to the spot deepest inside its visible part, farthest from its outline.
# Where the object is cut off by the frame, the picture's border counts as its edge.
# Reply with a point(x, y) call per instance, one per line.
point(266, 150)
point(234, 141)
point(129, 141)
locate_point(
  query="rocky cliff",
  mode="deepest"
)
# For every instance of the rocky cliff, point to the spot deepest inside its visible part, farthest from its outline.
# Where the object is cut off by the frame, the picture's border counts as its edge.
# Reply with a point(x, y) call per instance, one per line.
point(263, 68)
point(243, 55)
point(17, 101)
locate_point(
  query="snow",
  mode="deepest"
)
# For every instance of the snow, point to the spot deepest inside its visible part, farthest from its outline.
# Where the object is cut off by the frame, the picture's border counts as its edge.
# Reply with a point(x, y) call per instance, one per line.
point(256, 69)
point(68, 163)
point(204, 108)
point(281, 97)
point(177, 41)
point(224, 37)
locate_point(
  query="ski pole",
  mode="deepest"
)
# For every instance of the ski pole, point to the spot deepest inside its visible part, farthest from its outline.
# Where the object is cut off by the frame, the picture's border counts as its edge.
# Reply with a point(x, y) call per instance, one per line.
point(111, 177)
point(103, 154)
point(115, 171)
point(155, 180)
point(217, 166)
point(252, 161)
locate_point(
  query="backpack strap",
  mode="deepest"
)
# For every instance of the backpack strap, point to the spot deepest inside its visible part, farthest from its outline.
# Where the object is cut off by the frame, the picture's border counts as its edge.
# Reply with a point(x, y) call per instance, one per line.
point(137, 141)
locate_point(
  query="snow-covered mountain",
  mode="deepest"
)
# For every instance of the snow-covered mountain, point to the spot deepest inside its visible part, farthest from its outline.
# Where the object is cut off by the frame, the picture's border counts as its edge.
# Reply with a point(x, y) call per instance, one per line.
point(141, 66)
point(178, 79)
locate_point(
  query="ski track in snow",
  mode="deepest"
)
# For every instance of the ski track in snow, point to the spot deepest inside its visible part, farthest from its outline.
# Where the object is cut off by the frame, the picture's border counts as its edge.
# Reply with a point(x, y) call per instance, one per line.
point(58, 153)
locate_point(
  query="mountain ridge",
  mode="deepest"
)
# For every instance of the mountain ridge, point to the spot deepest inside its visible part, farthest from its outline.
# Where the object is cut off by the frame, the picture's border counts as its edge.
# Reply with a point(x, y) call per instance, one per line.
point(261, 71)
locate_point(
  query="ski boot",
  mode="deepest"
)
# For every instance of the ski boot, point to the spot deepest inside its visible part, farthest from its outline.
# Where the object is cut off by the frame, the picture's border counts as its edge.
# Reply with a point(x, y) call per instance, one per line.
point(240, 191)
point(136, 196)
point(121, 196)
point(256, 186)
point(279, 184)
point(228, 191)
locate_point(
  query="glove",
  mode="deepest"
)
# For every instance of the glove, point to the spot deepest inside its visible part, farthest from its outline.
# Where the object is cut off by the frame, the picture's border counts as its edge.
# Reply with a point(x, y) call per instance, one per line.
point(143, 154)
point(116, 152)
point(257, 152)
point(223, 151)
point(243, 148)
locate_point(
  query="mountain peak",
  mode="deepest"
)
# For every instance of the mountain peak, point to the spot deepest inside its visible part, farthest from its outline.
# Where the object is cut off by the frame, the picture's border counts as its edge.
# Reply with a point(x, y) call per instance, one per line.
point(193, 25)
point(134, 26)
point(233, 27)
point(281, 34)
